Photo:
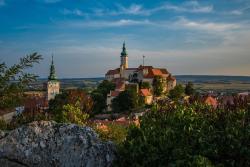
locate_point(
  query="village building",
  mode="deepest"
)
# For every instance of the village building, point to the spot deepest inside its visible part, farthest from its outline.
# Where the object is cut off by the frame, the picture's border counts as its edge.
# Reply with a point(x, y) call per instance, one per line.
point(124, 76)
point(147, 96)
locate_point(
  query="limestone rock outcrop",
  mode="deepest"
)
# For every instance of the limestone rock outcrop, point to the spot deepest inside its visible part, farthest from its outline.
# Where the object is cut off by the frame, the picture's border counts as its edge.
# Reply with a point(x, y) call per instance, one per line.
point(48, 144)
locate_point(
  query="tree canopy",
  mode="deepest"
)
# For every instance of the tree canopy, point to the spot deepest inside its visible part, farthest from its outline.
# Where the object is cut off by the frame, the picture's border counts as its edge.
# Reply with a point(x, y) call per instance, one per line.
point(177, 92)
point(100, 94)
point(14, 80)
point(126, 101)
point(189, 89)
point(157, 86)
point(71, 99)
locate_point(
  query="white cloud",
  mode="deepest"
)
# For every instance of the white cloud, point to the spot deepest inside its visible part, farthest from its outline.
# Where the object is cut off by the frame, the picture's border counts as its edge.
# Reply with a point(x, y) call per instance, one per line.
point(209, 26)
point(137, 9)
point(134, 9)
point(240, 11)
point(106, 24)
point(236, 12)
point(76, 12)
point(2, 2)
point(190, 7)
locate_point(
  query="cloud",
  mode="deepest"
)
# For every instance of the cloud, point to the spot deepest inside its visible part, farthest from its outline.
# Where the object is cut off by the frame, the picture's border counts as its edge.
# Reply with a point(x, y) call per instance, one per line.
point(134, 9)
point(240, 11)
point(209, 26)
point(105, 24)
point(190, 7)
point(76, 12)
point(138, 9)
point(2, 2)
point(236, 12)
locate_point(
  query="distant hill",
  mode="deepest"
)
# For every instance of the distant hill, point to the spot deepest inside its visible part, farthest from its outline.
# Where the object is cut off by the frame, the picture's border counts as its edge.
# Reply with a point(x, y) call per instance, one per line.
point(212, 79)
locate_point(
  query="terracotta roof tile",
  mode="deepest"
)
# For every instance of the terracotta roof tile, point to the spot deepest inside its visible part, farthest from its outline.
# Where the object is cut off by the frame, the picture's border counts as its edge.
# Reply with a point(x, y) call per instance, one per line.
point(113, 72)
point(145, 92)
point(115, 93)
point(156, 72)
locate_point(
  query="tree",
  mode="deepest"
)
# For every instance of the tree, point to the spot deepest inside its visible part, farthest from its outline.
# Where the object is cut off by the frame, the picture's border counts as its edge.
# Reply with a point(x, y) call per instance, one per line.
point(74, 97)
point(99, 101)
point(189, 89)
point(74, 114)
point(100, 94)
point(145, 85)
point(14, 80)
point(126, 101)
point(177, 92)
point(105, 87)
point(157, 85)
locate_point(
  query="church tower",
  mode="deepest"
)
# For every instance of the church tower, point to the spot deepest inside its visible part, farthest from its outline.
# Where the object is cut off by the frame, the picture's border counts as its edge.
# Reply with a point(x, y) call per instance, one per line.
point(124, 60)
point(53, 85)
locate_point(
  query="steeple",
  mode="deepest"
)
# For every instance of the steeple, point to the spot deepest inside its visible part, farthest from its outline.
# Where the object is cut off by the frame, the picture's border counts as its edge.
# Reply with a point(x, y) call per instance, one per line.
point(124, 50)
point(52, 75)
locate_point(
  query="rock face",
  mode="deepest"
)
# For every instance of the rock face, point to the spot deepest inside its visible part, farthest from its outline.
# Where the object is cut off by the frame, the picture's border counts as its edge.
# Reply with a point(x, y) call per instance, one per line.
point(50, 144)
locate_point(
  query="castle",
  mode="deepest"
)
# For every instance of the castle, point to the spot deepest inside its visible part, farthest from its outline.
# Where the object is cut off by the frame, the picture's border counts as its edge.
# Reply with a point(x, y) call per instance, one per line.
point(124, 75)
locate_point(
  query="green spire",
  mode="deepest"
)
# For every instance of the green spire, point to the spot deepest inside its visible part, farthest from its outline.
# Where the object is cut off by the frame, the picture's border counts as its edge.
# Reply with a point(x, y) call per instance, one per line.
point(124, 51)
point(52, 75)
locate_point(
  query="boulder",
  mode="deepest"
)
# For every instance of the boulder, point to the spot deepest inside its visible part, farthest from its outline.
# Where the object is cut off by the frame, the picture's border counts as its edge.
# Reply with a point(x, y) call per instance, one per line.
point(47, 143)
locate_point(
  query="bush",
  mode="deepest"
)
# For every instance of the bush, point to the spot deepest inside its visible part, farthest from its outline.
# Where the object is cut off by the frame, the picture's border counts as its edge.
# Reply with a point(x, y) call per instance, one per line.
point(116, 133)
point(189, 136)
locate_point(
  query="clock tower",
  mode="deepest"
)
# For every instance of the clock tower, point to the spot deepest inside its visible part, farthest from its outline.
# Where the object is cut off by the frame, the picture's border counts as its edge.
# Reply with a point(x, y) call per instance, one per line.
point(53, 85)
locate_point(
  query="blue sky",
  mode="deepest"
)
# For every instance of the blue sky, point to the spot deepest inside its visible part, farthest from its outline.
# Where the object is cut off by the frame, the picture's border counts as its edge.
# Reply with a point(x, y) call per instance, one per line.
point(186, 37)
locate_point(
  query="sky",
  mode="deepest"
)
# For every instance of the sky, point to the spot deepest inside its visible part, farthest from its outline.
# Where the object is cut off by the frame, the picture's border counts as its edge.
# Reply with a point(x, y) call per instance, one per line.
point(188, 37)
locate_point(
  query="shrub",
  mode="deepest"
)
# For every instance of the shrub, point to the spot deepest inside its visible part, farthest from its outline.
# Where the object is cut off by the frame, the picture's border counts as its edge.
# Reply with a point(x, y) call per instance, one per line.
point(189, 136)
point(116, 133)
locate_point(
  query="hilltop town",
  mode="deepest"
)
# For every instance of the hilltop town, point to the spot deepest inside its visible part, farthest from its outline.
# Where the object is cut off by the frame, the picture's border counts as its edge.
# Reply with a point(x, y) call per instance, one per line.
point(135, 108)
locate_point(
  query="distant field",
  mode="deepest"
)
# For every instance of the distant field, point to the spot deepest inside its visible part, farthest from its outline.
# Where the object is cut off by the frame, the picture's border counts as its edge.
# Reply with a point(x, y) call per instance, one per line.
point(228, 84)
point(232, 87)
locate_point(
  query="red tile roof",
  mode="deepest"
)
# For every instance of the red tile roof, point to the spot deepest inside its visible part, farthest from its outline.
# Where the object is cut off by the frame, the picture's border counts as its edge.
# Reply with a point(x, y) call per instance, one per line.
point(115, 93)
point(156, 72)
point(211, 101)
point(113, 72)
point(120, 85)
point(171, 78)
point(145, 92)
point(164, 71)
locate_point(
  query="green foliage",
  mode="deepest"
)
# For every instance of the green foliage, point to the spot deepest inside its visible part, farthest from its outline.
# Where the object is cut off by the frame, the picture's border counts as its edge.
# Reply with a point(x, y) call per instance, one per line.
point(158, 86)
point(189, 136)
point(13, 80)
point(74, 114)
point(99, 101)
point(177, 92)
point(100, 94)
point(126, 101)
point(145, 85)
point(189, 89)
point(76, 98)
point(116, 133)
point(105, 87)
